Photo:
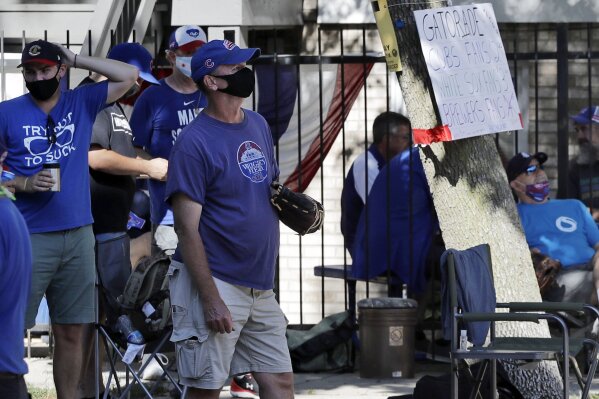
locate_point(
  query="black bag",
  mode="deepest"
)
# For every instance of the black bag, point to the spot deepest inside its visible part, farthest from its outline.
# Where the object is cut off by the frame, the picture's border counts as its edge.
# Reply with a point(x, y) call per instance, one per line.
point(439, 387)
point(147, 289)
point(325, 347)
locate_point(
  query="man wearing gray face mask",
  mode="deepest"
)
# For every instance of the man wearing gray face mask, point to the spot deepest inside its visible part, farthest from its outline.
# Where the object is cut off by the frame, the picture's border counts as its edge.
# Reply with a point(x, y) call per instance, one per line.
point(159, 115)
point(583, 178)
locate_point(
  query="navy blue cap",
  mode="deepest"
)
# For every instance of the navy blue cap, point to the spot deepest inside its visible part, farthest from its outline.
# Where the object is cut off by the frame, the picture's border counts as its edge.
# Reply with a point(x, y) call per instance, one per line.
point(520, 162)
point(42, 52)
point(134, 54)
point(219, 52)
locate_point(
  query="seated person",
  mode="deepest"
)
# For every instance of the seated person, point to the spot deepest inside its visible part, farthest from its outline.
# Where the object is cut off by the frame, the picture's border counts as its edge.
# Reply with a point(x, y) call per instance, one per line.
point(391, 135)
point(561, 229)
point(395, 231)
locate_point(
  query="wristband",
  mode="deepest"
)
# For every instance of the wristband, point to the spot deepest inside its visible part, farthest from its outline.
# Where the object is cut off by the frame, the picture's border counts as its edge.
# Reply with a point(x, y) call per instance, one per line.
point(25, 184)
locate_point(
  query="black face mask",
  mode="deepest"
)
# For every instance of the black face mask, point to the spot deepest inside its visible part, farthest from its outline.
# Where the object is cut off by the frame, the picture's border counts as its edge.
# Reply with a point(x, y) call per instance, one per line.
point(241, 83)
point(43, 89)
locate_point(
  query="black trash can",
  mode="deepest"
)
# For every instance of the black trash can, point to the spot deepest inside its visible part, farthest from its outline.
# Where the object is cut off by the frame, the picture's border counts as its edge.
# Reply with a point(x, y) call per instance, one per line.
point(387, 327)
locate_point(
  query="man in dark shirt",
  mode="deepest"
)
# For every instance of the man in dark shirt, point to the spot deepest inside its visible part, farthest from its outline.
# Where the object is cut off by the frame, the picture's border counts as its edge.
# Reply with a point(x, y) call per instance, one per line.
point(113, 164)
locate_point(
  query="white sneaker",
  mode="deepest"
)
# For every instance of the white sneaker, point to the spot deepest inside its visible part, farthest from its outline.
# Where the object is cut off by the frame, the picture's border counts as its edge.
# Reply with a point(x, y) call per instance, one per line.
point(153, 371)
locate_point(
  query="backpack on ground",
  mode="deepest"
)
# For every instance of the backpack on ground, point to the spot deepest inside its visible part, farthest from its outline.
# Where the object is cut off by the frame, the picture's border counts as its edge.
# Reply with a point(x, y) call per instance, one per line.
point(146, 296)
point(325, 347)
point(439, 387)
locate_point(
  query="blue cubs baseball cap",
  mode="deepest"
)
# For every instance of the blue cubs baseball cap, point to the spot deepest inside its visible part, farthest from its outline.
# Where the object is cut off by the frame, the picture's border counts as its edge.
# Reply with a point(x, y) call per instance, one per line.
point(134, 54)
point(219, 52)
point(587, 115)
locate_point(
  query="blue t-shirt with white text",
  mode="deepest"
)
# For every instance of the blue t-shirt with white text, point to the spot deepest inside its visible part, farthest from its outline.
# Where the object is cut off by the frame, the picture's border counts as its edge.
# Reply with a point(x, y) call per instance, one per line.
point(159, 115)
point(561, 229)
point(228, 168)
point(23, 125)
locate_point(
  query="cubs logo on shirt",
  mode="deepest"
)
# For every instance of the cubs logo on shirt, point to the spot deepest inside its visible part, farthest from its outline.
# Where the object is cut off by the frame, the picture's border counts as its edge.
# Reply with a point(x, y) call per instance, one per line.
point(252, 161)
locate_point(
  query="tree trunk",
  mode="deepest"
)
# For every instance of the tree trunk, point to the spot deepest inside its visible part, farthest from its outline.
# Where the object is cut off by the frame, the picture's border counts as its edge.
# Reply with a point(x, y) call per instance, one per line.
point(473, 201)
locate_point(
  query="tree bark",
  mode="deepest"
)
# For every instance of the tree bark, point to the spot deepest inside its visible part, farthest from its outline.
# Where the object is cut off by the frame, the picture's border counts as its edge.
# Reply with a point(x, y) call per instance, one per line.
point(473, 201)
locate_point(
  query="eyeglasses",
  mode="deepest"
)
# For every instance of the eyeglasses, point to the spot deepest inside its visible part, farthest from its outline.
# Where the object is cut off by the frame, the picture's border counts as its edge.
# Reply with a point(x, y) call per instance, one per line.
point(533, 169)
point(50, 130)
point(38, 145)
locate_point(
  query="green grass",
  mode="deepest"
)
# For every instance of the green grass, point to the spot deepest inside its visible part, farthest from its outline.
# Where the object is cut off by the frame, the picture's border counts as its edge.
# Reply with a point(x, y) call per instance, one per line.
point(38, 393)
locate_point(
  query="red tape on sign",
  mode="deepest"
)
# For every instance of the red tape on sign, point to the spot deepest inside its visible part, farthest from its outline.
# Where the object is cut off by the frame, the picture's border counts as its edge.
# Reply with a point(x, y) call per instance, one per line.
point(434, 135)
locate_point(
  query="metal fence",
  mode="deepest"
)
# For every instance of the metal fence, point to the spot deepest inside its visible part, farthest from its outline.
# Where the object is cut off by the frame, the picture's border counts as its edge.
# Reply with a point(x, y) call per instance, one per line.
point(552, 66)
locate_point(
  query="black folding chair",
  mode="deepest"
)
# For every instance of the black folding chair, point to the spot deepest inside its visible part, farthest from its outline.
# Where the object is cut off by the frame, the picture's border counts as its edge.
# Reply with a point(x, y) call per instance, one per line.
point(477, 260)
point(110, 283)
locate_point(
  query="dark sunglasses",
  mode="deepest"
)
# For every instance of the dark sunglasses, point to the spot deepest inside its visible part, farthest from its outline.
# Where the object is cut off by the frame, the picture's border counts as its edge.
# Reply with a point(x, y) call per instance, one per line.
point(533, 169)
point(50, 127)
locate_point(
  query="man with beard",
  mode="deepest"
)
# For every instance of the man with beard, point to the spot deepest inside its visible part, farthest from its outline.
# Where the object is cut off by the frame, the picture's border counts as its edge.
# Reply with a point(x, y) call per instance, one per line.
point(584, 169)
point(563, 229)
point(49, 129)
point(113, 165)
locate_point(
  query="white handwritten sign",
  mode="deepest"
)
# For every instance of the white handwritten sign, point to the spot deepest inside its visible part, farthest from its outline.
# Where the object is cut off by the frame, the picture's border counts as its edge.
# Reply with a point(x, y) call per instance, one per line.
point(467, 64)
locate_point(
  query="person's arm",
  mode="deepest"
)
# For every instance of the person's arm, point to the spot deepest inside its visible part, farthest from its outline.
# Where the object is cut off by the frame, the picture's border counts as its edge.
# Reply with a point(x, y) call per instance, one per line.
point(187, 215)
point(121, 76)
point(111, 162)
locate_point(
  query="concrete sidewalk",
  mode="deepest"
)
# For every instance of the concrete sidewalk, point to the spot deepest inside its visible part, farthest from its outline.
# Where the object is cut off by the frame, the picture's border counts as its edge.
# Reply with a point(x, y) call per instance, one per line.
point(307, 385)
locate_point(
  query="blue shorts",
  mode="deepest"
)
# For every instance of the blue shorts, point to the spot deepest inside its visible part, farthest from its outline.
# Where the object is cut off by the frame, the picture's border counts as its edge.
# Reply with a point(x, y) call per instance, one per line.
point(64, 270)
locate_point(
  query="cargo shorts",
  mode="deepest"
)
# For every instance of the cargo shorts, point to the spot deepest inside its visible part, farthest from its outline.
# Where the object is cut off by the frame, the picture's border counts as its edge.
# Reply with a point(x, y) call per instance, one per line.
point(206, 359)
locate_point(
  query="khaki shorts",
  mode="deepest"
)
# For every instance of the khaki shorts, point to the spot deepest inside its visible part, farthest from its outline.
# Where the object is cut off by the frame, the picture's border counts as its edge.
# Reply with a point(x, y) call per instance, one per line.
point(205, 359)
point(64, 270)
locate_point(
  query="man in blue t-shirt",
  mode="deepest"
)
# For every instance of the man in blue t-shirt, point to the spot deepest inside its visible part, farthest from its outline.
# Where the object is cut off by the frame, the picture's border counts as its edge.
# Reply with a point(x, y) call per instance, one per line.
point(391, 135)
point(225, 314)
point(48, 132)
point(159, 115)
point(15, 279)
point(562, 229)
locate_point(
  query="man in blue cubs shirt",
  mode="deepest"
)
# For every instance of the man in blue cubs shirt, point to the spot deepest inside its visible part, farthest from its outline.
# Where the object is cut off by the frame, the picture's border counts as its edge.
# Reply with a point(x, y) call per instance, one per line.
point(391, 135)
point(48, 126)
point(225, 314)
point(15, 279)
point(158, 117)
point(562, 229)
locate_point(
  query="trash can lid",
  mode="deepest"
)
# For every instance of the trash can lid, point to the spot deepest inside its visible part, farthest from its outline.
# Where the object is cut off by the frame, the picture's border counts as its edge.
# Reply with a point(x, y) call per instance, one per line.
point(387, 303)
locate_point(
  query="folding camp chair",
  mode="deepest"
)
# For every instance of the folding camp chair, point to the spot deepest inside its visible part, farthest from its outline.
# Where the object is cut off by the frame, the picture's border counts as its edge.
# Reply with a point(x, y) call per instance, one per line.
point(110, 283)
point(457, 268)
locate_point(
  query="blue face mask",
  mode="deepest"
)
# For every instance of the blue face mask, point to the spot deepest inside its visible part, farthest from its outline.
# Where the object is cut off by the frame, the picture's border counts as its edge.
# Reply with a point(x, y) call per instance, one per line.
point(184, 65)
point(538, 191)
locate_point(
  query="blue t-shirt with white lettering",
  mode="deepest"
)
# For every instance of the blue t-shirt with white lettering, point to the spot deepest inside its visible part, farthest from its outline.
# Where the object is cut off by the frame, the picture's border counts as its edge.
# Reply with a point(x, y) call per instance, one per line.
point(23, 125)
point(159, 115)
point(228, 168)
point(561, 229)
point(15, 281)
